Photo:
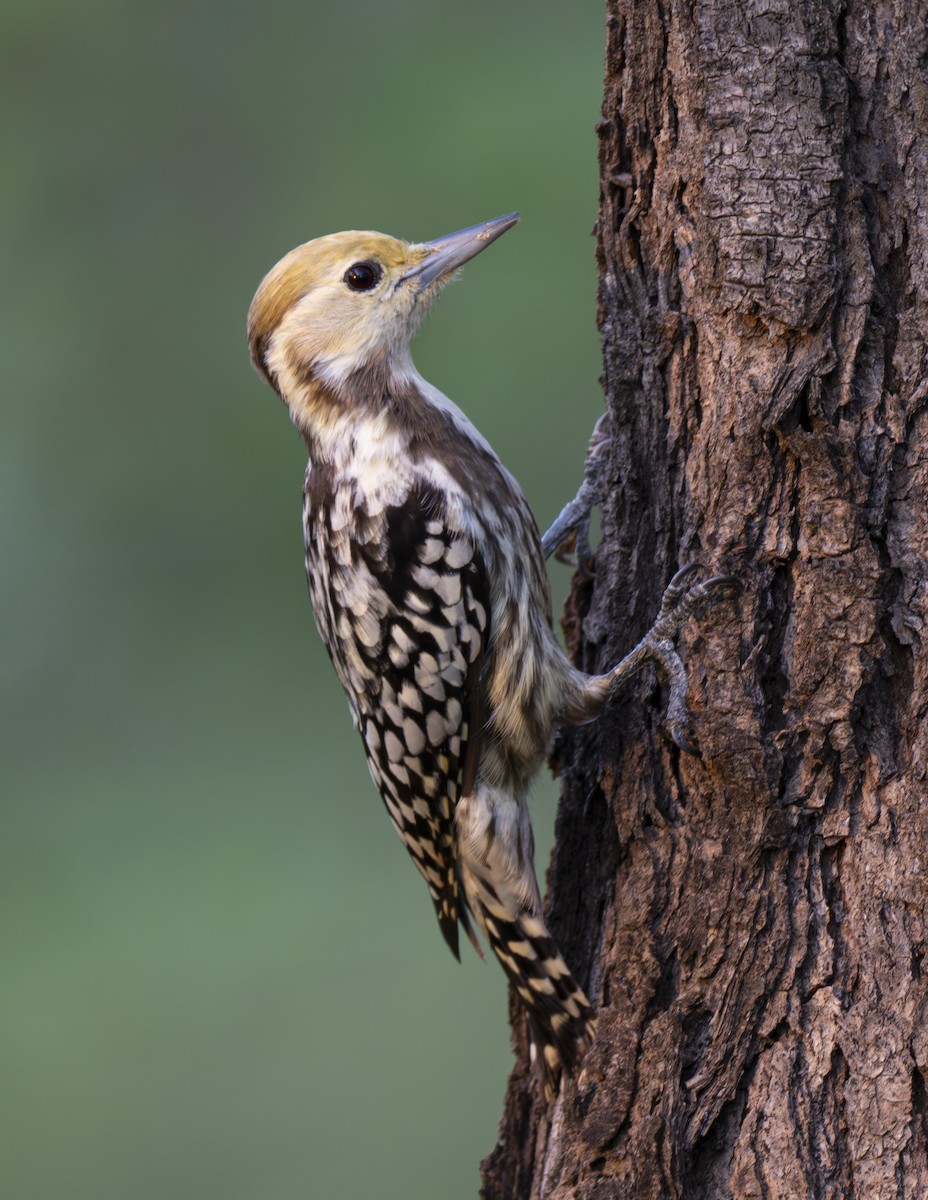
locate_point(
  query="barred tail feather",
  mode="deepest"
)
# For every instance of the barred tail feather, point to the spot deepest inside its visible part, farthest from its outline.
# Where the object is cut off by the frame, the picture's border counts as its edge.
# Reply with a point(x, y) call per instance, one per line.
point(560, 1018)
point(498, 878)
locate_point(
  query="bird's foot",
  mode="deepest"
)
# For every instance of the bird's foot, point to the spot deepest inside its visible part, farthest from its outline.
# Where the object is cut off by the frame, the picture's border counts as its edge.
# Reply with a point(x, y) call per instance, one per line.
point(568, 539)
point(683, 597)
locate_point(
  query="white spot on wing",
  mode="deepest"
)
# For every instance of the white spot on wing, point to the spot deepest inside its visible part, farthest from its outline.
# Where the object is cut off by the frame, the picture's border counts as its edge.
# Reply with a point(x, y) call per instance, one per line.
point(393, 746)
point(414, 735)
point(436, 728)
point(459, 554)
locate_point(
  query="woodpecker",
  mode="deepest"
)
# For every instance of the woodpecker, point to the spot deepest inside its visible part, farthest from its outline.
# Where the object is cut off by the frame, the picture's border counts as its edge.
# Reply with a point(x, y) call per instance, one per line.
point(428, 583)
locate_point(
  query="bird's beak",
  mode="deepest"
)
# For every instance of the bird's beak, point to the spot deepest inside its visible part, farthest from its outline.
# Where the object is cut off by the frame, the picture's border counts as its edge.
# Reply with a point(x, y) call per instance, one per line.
point(448, 253)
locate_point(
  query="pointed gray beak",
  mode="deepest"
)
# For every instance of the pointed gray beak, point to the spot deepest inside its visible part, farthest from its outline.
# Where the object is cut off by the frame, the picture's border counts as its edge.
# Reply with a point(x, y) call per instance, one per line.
point(448, 253)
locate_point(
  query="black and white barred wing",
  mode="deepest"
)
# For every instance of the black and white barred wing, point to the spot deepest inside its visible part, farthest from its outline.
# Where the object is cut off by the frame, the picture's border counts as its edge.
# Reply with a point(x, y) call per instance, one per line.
point(410, 609)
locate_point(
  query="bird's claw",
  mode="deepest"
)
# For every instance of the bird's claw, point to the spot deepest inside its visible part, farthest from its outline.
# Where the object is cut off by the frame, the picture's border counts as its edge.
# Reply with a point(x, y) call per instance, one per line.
point(566, 552)
point(568, 539)
point(682, 599)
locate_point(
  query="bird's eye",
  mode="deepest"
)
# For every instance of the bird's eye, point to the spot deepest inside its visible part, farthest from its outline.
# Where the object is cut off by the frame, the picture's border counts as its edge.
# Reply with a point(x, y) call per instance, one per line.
point(363, 276)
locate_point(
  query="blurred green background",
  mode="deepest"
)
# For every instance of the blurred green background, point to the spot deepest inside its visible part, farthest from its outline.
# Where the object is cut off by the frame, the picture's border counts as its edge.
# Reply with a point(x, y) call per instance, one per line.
point(221, 976)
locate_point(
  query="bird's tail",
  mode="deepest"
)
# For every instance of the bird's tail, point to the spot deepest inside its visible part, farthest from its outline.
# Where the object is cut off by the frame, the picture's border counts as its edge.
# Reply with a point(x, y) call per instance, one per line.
point(560, 1018)
point(496, 868)
point(498, 877)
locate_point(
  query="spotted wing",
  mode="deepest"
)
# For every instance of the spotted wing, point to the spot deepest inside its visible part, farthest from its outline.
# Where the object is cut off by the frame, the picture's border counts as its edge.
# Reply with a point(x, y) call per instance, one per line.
point(419, 710)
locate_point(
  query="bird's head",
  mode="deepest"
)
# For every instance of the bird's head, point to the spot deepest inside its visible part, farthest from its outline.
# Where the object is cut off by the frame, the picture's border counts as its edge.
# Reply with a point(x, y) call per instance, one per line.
point(349, 303)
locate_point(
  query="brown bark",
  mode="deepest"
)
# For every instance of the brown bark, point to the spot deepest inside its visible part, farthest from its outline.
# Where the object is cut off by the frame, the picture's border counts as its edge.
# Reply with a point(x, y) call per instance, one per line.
point(751, 922)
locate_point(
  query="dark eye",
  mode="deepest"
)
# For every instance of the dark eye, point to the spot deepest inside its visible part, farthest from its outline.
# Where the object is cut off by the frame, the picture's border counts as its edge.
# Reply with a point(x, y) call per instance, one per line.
point(363, 276)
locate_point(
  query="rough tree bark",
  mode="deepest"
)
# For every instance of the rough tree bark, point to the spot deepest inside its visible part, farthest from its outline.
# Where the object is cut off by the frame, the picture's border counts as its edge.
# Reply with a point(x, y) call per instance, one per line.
point(751, 922)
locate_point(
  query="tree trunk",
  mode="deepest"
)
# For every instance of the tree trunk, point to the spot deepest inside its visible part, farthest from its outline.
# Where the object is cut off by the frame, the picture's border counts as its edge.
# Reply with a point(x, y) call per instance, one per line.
point(751, 921)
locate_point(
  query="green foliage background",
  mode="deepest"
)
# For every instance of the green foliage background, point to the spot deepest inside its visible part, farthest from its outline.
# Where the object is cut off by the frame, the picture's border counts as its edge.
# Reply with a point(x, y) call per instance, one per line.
point(220, 975)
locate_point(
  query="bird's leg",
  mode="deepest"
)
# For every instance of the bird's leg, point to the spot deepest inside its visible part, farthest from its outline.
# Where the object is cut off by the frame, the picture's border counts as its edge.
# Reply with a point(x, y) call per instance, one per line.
point(681, 599)
point(574, 518)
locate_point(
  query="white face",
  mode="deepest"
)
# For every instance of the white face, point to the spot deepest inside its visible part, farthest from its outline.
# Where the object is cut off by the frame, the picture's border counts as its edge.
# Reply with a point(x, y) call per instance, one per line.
point(362, 313)
point(340, 304)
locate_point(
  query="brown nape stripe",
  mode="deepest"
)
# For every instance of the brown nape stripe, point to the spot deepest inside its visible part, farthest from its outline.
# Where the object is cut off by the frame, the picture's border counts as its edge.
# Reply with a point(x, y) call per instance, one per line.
point(280, 289)
point(259, 361)
point(305, 374)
